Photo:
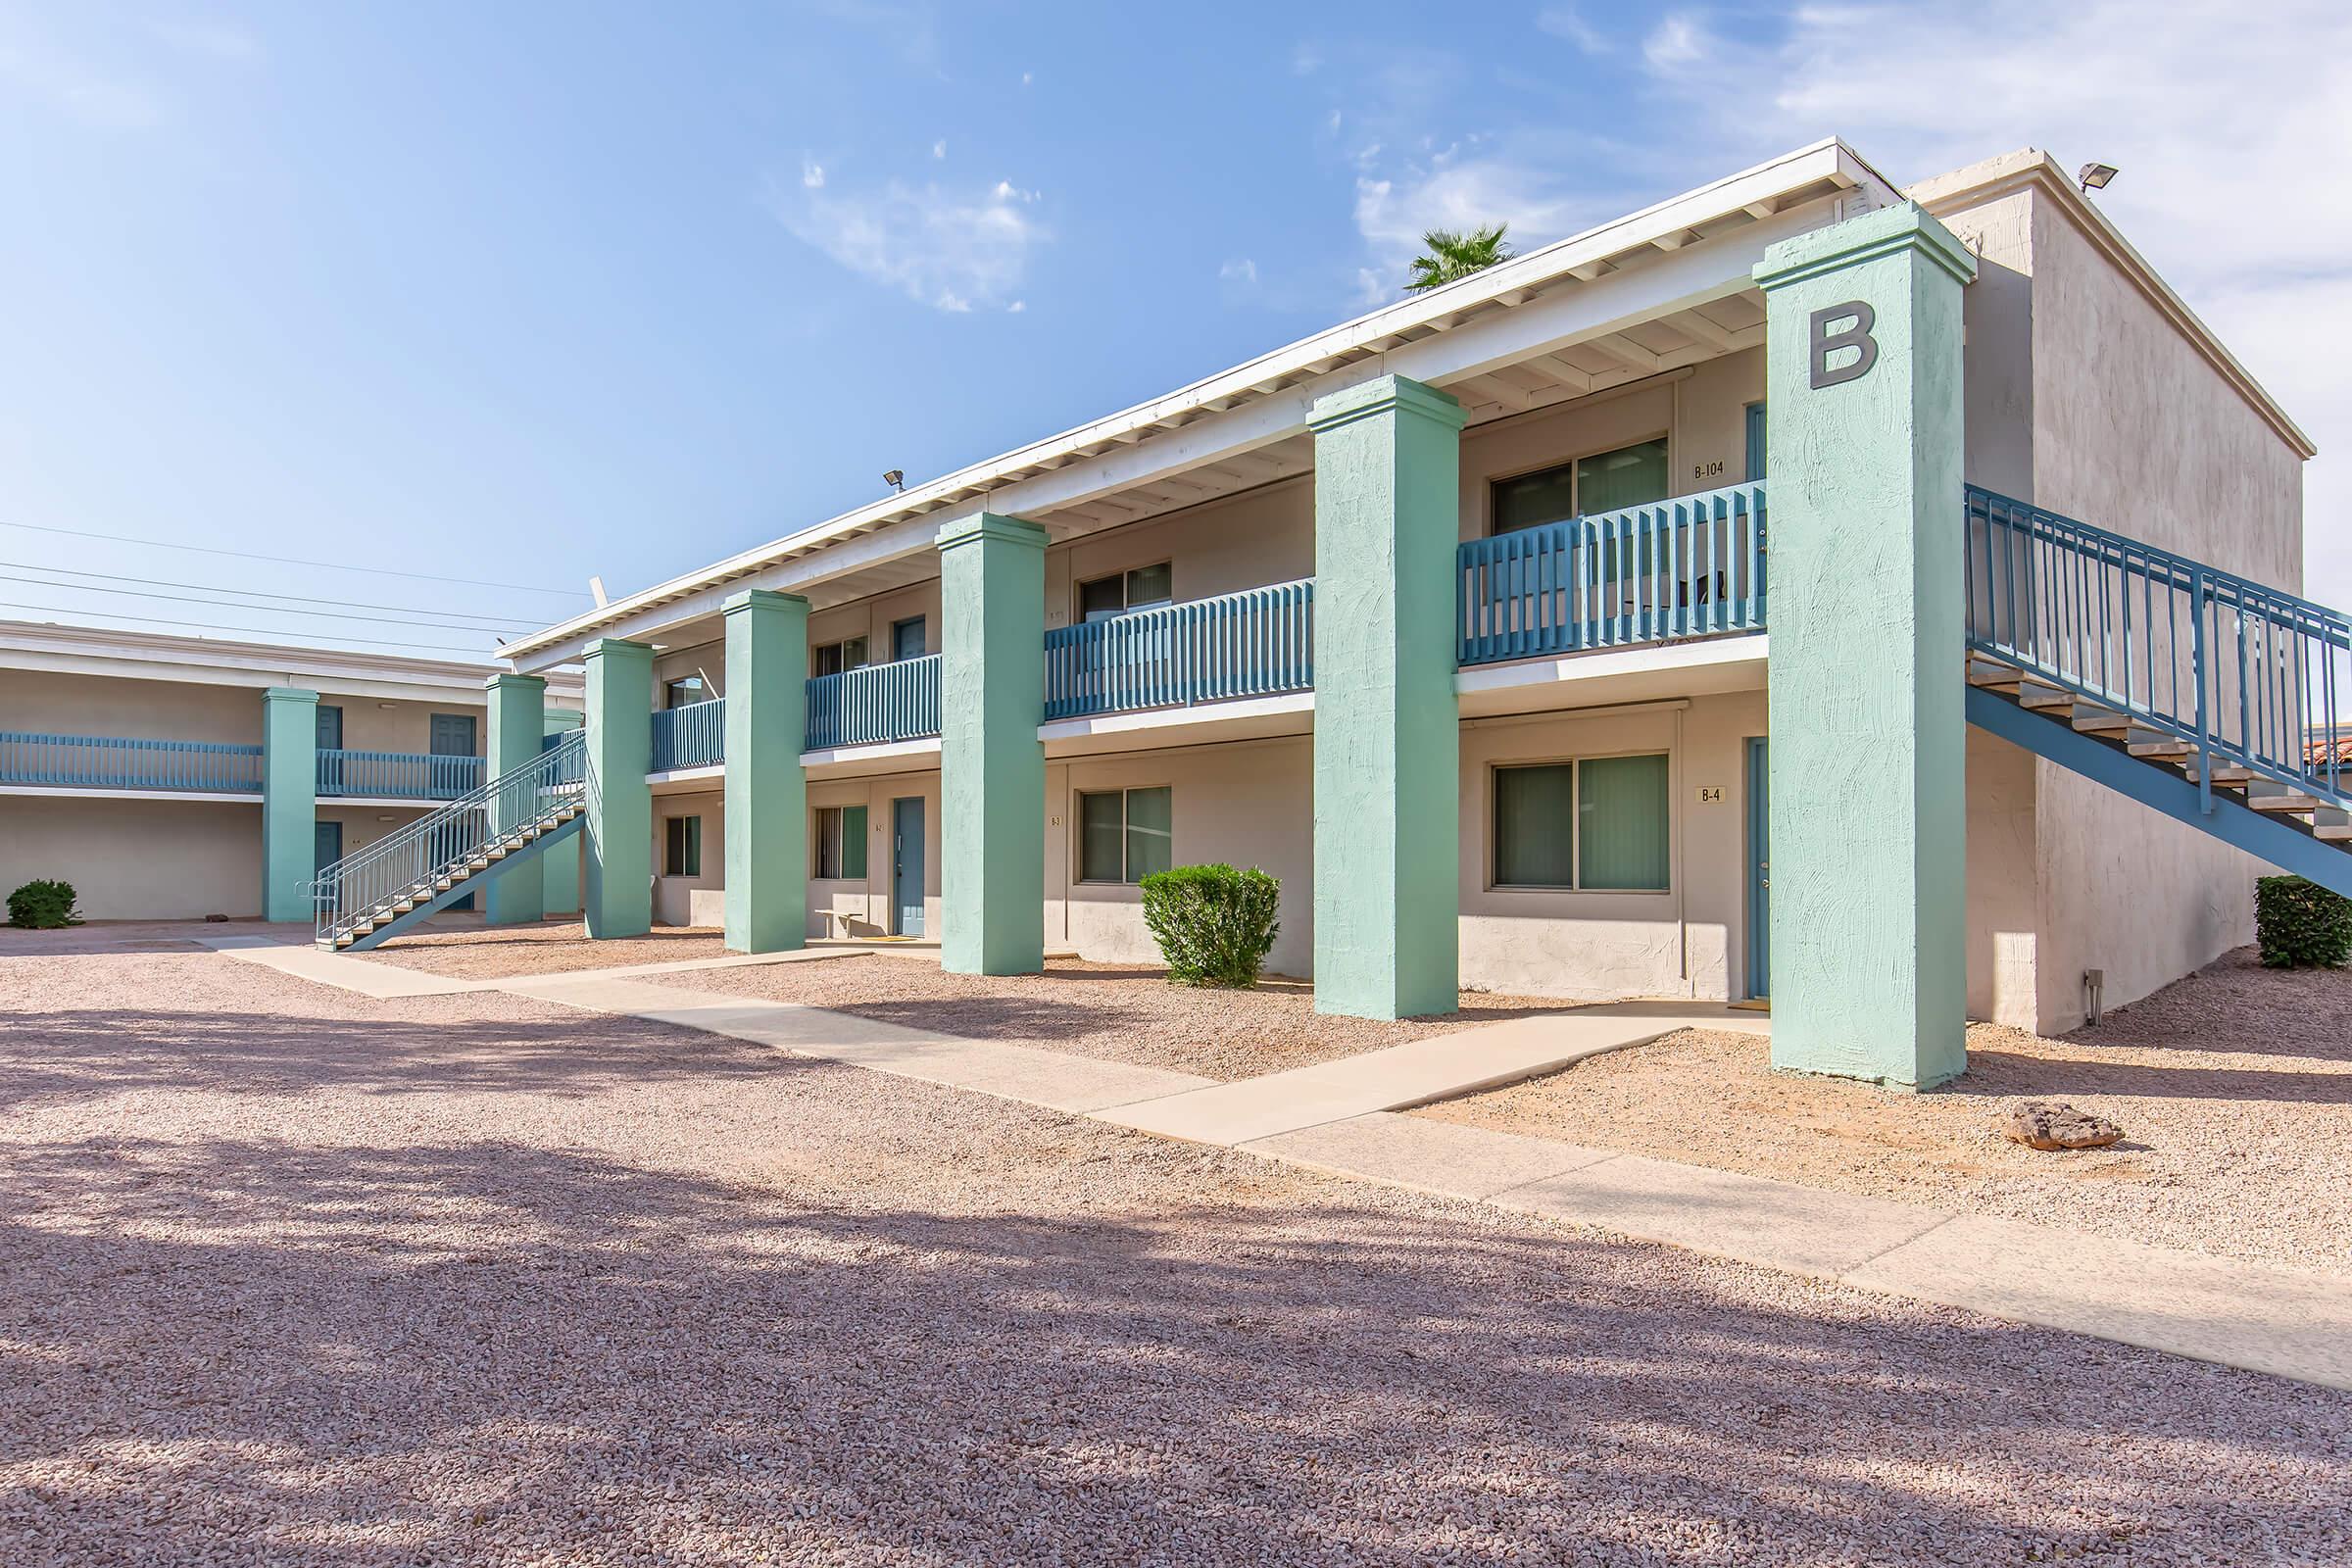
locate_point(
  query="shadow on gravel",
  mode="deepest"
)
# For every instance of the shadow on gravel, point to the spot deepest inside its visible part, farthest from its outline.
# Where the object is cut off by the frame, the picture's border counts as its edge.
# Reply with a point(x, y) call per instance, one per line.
point(247, 1351)
point(113, 1049)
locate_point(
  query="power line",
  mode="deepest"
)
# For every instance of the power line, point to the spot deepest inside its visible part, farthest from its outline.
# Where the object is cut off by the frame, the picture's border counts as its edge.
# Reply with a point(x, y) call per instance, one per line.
point(267, 610)
point(289, 561)
point(504, 623)
point(264, 631)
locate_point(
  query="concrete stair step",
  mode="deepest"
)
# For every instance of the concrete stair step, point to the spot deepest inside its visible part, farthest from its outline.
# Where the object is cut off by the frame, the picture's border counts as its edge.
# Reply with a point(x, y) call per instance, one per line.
point(2093, 718)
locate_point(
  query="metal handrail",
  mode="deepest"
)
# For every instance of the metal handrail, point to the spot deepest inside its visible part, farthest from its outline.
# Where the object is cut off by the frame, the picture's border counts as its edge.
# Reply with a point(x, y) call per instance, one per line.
point(107, 761)
point(1258, 642)
point(400, 775)
point(873, 705)
point(409, 861)
point(693, 735)
point(2242, 671)
point(1687, 567)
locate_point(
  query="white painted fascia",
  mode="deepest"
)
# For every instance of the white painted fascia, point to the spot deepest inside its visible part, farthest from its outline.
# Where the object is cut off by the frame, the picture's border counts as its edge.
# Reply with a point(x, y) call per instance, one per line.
point(1569, 287)
point(68, 649)
point(69, 792)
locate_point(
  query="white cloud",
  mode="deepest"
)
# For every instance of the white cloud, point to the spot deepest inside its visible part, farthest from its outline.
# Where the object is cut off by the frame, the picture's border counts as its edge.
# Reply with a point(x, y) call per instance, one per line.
point(1679, 43)
point(1026, 78)
point(65, 86)
point(2228, 123)
point(1240, 269)
point(1562, 22)
point(220, 40)
point(1543, 188)
point(949, 249)
point(939, 148)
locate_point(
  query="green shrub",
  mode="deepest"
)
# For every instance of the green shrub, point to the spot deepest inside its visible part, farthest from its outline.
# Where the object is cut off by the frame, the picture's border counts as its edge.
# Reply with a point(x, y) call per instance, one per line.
point(42, 906)
point(2301, 925)
point(1214, 925)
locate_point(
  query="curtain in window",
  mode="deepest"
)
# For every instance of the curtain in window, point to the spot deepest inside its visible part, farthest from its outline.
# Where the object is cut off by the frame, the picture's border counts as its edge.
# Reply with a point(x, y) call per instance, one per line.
point(1149, 837)
point(1102, 832)
point(1623, 824)
point(1534, 817)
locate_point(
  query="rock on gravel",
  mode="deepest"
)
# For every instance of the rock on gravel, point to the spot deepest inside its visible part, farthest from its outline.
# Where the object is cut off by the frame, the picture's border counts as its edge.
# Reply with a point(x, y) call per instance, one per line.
point(2038, 1124)
point(294, 1279)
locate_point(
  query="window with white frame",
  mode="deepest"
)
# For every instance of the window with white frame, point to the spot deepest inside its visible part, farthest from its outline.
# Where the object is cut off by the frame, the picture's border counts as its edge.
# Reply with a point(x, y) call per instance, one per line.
point(832, 658)
point(1125, 835)
point(1589, 824)
point(1144, 588)
point(840, 843)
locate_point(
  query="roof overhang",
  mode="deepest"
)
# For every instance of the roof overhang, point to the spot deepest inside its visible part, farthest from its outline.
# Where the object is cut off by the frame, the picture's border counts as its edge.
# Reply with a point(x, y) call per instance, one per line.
point(203, 661)
point(1696, 247)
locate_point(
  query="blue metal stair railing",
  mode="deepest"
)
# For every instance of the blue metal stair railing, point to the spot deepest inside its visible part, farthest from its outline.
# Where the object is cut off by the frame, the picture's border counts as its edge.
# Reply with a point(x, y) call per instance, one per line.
point(365, 890)
point(2243, 672)
point(1259, 642)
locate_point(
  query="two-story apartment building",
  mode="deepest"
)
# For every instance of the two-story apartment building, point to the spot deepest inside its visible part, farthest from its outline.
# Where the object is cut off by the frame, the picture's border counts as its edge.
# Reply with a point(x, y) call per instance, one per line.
point(159, 773)
point(1683, 608)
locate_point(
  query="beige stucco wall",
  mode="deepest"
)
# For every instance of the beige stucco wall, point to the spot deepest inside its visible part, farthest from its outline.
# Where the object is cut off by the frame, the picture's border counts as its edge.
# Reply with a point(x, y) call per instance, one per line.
point(2084, 397)
point(1689, 941)
point(863, 908)
point(138, 859)
point(676, 901)
point(52, 704)
point(1248, 803)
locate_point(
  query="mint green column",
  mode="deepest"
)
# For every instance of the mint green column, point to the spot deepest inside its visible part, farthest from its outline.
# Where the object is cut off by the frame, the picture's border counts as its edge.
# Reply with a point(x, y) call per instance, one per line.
point(992, 766)
point(518, 725)
point(560, 879)
point(1387, 746)
point(768, 794)
point(1863, 380)
point(289, 802)
point(619, 847)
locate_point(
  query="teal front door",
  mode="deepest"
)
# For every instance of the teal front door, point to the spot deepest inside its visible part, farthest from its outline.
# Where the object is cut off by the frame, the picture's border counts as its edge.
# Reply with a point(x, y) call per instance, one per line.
point(452, 735)
point(1759, 873)
point(907, 867)
point(328, 845)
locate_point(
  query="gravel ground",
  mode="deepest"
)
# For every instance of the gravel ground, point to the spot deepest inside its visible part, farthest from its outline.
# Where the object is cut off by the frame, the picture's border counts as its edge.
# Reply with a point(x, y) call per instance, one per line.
point(292, 1278)
point(559, 946)
point(1119, 1013)
point(2233, 1088)
point(129, 935)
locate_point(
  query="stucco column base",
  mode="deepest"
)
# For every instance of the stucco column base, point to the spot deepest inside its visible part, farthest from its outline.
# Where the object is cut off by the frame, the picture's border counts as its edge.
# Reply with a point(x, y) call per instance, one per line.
point(1387, 741)
point(992, 766)
point(517, 727)
point(767, 793)
point(618, 850)
point(289, 802)
point(1868, 812)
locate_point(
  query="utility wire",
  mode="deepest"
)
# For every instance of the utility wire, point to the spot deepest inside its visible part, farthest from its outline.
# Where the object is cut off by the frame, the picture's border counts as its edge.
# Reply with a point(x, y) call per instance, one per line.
point(288, 560)
point(267, 610)
point(264, 631)
point(503, 622)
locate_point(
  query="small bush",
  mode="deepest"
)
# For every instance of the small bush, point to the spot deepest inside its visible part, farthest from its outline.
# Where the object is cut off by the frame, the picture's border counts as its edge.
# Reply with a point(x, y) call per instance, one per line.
point(42, 906)
point(2301, 925)
point(1214, 925)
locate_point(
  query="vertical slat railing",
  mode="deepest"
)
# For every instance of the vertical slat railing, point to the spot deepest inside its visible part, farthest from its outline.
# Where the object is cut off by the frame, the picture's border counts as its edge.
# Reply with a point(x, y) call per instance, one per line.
point(1256, 643)
point(115, 763)
point(408, 861)
point(874, 705)
point(692, 736)
point(1689, 567)
point(397, 775)
point(2243, 672)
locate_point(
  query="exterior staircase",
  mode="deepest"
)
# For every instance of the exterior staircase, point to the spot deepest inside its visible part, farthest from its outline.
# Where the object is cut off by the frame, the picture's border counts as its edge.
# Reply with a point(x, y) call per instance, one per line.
point(402, 879)
point(2181, 686)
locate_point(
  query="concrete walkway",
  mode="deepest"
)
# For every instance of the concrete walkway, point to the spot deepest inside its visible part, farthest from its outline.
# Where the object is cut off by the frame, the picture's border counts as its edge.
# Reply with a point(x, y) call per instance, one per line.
point(1341, 1118)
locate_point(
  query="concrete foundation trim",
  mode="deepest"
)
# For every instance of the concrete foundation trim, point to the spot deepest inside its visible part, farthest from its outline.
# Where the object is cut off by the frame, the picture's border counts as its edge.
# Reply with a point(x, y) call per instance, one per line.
point(767, 793)
point(1387, 895)
point(992, 765)
point(1868, 817)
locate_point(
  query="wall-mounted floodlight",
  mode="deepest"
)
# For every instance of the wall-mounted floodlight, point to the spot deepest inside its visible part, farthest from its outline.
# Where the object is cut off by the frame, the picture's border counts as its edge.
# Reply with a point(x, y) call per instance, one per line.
point(896, 479)
point(2094, 177)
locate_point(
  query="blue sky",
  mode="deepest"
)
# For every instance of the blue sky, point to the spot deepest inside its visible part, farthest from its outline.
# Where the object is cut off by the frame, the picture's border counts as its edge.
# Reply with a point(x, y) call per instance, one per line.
point(525, 292)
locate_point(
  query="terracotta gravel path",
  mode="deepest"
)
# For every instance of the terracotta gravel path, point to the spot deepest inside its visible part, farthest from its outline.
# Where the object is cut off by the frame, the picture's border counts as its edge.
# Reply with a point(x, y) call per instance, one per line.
point(292, 1278)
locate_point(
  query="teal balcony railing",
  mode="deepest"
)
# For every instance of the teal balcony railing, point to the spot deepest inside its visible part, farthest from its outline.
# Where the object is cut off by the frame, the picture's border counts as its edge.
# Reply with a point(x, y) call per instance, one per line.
point(692, 736)
point(105, 762)
point(1691, 566)
point(397, 775)
point(881, 703)
point(1256, 643)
